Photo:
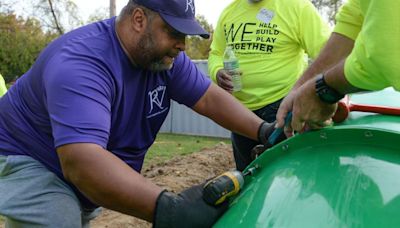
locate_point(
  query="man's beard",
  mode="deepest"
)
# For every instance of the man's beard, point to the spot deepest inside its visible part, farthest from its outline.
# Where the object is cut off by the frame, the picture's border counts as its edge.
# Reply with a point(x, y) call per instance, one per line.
point(148, 52)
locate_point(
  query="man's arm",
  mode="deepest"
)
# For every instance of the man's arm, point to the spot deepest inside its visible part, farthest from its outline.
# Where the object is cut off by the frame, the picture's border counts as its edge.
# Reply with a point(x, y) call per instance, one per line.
point(308, 107)
point(225, 110)
point(336, 49)
point(339, 46)
point(374, 63)
point(108, 181)
point(336, 79)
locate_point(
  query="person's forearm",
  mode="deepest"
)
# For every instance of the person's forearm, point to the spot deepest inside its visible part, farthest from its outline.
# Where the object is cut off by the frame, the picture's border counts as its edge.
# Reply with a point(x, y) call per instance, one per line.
point(108, 181)
point(225, 110)
point(336, 49)
point(336, 79)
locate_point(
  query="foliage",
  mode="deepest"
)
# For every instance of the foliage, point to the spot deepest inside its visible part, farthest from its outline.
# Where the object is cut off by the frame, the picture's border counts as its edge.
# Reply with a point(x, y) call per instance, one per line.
point(98, 15)
point(60, 15)
point(21, 41)
point(197, 47)
point(7, 5)
point(54, 15)
point(22, 38)
point(328, 8)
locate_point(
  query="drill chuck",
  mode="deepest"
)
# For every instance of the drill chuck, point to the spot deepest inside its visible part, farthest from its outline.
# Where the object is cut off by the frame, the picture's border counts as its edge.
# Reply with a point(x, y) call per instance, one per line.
point(223, 186)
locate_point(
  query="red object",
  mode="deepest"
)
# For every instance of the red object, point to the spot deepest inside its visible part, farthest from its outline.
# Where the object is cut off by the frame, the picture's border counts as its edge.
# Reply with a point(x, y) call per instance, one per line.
point(345, 107)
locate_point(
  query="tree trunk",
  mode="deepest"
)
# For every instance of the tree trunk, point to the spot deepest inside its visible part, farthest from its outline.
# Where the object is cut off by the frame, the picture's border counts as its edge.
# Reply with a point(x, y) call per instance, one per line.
point(58, 27)
point(112, 8)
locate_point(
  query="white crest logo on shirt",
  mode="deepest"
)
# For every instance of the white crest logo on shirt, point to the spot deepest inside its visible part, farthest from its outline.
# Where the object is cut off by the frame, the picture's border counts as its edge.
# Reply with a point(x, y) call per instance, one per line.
point(190, 3)
point(156, 98)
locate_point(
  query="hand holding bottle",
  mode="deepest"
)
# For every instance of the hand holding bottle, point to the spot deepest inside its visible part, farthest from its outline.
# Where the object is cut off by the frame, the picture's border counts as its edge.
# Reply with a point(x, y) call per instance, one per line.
point(224, 80)
point(231, 67)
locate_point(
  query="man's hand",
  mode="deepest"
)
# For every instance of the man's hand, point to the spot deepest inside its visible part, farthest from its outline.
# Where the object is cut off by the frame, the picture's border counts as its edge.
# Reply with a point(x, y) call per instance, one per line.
point(186, 209)
point(284, 108)
point(308, 110)
point(224, 80)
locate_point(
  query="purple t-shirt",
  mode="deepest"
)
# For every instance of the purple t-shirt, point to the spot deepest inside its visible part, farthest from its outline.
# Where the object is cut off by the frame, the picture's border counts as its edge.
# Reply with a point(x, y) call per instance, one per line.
point(83, 89)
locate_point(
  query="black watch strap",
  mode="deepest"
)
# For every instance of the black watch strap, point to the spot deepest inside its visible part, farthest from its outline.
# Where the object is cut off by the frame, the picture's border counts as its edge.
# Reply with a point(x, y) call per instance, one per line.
point(326, 93)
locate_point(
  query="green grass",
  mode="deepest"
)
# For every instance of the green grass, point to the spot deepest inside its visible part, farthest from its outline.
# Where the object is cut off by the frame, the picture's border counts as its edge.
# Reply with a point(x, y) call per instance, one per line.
point(168, 146)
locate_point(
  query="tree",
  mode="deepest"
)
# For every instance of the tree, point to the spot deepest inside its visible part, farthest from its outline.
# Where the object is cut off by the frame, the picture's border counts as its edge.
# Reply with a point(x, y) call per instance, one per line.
point(98, 15)
point(21, 42)
point(328, 8)
point(7, 6)
point(113, 8)
point(60, 15)
point(197, 47)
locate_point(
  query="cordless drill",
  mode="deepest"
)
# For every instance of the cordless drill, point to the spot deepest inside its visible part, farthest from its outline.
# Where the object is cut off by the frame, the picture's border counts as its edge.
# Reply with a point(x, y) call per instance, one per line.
point(228, 184)
point(224, 186)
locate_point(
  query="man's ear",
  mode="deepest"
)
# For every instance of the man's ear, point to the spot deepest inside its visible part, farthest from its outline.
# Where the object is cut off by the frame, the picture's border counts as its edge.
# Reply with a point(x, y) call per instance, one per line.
point(138, 20)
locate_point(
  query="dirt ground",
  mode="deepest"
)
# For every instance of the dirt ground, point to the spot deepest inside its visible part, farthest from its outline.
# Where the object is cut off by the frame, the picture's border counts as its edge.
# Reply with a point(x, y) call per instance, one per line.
point(174, 175)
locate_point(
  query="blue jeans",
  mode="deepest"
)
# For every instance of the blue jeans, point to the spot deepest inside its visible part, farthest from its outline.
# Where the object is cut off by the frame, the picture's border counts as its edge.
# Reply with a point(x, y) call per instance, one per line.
point(32, 196)
point(242, 146)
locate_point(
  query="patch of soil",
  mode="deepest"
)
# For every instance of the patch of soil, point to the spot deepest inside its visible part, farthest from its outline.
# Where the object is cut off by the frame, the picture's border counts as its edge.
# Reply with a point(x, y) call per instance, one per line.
point(174, 175)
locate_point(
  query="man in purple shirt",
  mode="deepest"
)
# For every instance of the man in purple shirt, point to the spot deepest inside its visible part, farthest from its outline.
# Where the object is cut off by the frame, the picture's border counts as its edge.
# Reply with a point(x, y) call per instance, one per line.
point(75, 128)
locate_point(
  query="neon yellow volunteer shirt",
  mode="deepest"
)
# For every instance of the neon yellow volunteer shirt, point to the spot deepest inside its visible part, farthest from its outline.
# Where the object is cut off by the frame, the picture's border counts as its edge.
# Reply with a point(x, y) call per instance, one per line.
point(374, 63)
point(3, 88)
point(270, 39)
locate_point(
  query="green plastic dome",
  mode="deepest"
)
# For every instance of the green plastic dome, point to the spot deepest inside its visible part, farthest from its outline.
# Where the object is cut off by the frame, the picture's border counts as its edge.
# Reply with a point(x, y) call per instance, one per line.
point(347, 175)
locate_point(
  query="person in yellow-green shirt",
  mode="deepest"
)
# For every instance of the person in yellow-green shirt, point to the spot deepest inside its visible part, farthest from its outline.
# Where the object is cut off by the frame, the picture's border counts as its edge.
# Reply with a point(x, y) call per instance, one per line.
point(270, 38)
point(3, 88)
point(363, 53)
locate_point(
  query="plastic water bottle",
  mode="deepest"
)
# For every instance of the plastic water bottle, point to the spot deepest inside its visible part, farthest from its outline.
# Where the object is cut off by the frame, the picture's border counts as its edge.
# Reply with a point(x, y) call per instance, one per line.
point(231, 65)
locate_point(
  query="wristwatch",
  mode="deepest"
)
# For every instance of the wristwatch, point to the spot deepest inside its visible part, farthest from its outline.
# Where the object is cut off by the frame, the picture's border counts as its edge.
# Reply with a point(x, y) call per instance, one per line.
point(326, 93)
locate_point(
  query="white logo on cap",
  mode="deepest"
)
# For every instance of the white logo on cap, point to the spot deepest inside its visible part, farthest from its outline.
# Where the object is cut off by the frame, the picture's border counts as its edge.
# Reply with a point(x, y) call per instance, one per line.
point(189, 3)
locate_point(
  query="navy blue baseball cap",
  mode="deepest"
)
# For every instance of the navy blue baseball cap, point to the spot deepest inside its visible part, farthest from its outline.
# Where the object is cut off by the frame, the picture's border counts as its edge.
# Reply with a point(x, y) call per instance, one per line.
point(179, 14)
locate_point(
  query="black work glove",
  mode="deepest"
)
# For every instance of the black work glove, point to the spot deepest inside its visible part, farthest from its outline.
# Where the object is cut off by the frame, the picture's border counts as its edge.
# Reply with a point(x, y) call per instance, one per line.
point(264, 132)
point(186, 209)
